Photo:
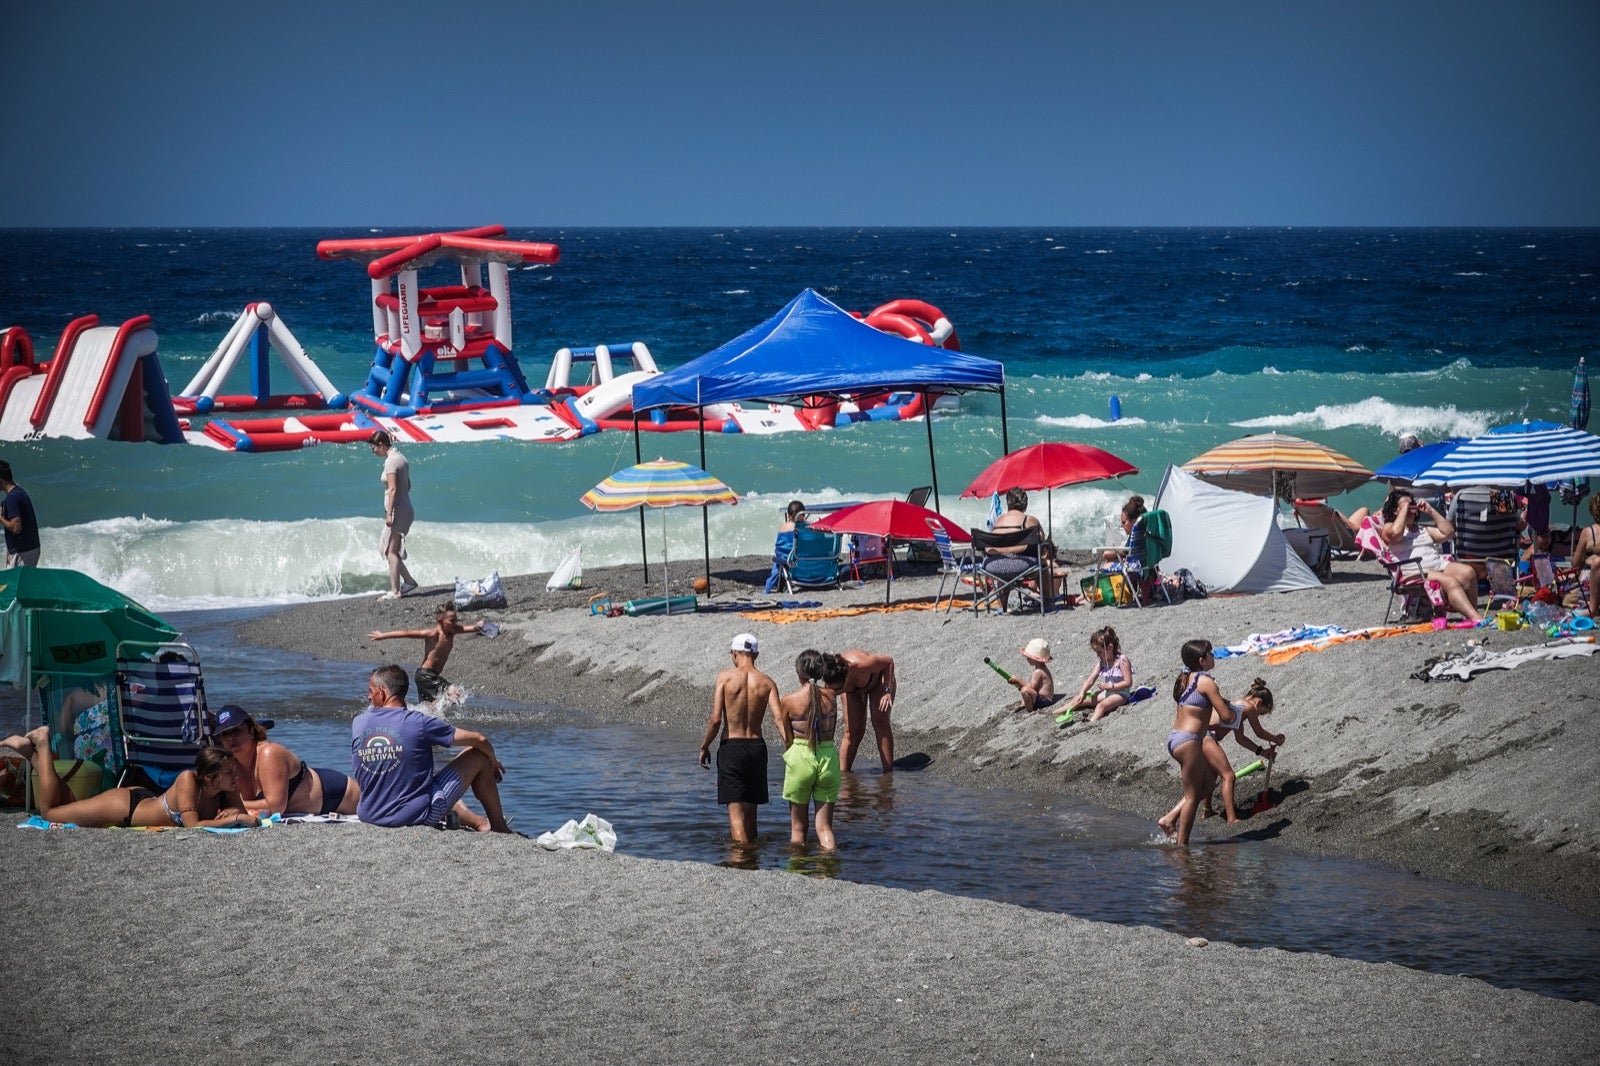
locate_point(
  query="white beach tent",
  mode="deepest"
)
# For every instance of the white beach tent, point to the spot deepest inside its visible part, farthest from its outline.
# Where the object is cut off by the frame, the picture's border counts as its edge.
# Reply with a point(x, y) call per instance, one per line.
point(1229, 540)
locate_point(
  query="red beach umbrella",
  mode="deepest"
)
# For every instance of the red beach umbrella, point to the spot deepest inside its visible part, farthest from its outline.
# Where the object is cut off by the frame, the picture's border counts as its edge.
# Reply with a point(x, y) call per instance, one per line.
point(892, 520)
point(1050, 465)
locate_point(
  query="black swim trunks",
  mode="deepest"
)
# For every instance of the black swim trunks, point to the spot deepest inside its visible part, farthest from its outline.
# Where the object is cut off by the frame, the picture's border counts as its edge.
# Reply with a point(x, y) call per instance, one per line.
point(742, 771)
point(429, 684)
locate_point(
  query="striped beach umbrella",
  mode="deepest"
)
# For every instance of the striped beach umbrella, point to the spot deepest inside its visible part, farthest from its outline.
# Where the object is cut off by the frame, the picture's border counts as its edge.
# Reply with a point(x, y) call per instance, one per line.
point(1513, 457)
point(1279, 465)
point(660, 483)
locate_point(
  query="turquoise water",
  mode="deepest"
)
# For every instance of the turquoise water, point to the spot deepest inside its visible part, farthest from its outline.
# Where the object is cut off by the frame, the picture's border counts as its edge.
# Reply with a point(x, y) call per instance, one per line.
point(1349, 337)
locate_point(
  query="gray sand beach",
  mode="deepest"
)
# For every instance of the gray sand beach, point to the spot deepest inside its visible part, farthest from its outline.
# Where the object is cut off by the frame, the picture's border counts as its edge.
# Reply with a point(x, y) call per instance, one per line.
point(351, 943)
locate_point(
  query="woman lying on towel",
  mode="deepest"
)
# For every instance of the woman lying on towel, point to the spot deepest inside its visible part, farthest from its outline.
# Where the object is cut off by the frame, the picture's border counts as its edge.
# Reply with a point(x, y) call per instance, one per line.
point(202, 798)
point(273, 779)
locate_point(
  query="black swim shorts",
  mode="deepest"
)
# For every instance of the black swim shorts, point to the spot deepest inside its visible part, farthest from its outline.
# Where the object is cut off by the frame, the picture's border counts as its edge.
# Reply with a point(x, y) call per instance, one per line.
point(742, 771)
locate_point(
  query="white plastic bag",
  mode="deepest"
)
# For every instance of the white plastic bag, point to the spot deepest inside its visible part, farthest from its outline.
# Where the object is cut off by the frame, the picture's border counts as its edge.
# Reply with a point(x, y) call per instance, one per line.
point(569, 575)
point(592, 832)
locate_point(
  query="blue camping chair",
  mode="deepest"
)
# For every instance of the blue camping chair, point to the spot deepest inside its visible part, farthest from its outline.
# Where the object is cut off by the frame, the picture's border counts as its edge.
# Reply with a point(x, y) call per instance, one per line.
point(813, 562)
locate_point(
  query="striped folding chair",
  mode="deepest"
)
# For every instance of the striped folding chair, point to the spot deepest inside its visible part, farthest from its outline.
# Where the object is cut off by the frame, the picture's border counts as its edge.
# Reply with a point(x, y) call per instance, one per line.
point(161, 710)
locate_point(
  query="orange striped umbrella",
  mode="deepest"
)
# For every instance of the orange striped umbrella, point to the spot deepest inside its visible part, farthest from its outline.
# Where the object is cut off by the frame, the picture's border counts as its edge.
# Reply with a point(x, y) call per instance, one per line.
point(1277, 464)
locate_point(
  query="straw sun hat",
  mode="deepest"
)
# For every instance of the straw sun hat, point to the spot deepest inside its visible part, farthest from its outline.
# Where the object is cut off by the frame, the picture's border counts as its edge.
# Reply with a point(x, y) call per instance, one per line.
point(1038, 650)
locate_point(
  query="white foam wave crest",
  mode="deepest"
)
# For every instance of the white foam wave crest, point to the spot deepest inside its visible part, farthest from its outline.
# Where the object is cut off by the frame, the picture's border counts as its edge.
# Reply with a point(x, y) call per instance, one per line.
point(1088, 421)
point(202, 565)
point(1391, 418)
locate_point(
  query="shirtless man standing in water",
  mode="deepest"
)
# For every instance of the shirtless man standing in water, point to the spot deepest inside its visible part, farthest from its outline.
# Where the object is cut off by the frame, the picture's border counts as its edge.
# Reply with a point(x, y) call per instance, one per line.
point(869, 686)
point(745, 697)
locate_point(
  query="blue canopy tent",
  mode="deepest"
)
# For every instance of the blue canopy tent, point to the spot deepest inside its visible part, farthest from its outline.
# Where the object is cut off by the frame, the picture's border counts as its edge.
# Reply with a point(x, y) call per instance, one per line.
point(813, 347)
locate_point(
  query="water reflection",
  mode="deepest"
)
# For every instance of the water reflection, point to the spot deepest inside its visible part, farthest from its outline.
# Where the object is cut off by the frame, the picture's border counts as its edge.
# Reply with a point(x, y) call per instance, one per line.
point(820, 864)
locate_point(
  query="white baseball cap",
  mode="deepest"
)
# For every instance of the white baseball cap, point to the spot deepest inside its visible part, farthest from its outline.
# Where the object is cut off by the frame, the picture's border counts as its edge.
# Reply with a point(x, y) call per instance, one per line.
point(746, 642)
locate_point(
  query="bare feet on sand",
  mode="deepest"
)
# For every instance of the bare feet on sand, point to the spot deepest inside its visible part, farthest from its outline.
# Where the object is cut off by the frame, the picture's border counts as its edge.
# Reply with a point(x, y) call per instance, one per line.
point(471, 819)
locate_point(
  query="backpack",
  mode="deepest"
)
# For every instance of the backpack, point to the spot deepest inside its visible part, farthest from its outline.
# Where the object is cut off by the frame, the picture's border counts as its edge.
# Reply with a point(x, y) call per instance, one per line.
point(1193, 588)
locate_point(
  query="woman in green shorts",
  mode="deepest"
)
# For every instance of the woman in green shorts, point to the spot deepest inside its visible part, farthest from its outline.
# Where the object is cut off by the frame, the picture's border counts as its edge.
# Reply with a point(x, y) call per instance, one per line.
point(807, 719)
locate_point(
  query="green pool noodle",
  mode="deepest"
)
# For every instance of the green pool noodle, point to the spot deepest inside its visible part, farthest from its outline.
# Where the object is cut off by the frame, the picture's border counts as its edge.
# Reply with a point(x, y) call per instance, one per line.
point(1250, 769)
point(997, 668)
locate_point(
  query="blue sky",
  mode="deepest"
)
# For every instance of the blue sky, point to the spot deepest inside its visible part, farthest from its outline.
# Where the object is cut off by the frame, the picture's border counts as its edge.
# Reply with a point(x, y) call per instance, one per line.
point(1405, 112)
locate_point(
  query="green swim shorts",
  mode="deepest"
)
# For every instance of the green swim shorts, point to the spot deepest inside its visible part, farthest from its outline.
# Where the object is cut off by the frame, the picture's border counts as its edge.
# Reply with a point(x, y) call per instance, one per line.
point(811, 775)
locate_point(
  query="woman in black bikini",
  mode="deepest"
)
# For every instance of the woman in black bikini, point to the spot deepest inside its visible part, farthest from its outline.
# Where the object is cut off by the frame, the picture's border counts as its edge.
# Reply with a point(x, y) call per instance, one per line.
point(273, 779)
point(202, 798)
point(1586, 553)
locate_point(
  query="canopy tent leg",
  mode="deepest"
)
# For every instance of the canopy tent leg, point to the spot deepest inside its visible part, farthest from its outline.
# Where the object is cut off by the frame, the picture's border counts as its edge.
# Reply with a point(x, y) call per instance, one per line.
point(933, 465)
point(1005, 437)
point(644, 542)
point(705, 512)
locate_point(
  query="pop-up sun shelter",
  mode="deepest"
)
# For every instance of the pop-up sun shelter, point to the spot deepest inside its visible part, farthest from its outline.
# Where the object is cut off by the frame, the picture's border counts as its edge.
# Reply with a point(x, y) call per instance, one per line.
point(814, 348)
point(59, 634)
point(1229, 540)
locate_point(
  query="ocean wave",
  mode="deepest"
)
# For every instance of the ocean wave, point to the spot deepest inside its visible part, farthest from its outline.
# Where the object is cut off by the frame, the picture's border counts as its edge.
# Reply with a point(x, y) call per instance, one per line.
point(1391, 418)
point(211, 318)
point(222, 563)
point(1088, 421)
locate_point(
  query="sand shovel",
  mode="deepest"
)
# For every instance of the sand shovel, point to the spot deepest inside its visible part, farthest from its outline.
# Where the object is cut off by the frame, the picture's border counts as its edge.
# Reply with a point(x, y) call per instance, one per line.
point(1264, 801)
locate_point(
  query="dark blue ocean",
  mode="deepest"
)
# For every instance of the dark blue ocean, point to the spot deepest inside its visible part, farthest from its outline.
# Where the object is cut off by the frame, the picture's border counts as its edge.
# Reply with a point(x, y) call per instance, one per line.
point(1350, 337)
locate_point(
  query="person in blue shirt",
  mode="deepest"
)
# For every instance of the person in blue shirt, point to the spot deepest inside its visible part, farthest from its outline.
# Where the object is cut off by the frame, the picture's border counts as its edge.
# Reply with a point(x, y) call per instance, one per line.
point(392, 759)
point(784, 542)
point(21, 525)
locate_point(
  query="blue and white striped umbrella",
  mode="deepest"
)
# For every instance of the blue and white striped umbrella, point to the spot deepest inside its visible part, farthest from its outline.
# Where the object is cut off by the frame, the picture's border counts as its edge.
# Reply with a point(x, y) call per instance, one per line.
point(1509, 457)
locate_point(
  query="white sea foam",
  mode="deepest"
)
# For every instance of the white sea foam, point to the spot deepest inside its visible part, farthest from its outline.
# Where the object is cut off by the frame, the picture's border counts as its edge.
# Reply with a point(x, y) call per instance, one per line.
point(233, 563)
point(1391, 418)
point(1088, 421)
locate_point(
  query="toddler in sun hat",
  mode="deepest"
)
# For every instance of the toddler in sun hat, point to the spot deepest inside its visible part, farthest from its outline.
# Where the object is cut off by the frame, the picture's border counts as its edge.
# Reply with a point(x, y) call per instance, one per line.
point(1039, 691)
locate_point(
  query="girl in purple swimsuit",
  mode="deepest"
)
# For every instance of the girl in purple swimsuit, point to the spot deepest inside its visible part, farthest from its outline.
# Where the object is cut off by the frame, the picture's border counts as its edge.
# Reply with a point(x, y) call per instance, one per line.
point(1198, 700)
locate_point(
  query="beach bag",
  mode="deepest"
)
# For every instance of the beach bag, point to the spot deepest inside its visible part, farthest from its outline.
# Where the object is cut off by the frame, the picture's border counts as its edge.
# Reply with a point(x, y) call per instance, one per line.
point(1193, 588)
point(488, 592)
point(1106, 590)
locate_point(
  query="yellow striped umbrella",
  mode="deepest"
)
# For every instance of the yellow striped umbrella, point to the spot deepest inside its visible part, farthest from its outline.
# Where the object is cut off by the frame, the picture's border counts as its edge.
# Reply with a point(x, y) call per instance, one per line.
point(659, 483)
point(1277, 464)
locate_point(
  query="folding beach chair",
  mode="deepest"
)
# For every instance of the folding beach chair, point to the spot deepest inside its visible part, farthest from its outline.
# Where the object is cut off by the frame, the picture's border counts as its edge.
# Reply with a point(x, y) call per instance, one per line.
point(992, 588)
point(1315, 514)
point(813, 562)
point(951, 569)
point(867, 551)
point(161, 711)
point(1407, 580)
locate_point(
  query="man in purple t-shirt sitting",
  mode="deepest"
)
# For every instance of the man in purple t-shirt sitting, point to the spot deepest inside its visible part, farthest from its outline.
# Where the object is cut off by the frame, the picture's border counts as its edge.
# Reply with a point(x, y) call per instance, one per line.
point(392, 754)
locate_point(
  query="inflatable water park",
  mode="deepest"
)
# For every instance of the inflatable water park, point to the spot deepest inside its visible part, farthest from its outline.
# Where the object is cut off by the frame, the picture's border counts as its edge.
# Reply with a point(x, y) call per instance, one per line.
point(444, 368)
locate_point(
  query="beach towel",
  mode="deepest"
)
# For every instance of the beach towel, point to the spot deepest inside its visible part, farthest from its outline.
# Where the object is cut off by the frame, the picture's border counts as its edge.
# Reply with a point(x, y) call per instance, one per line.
point(593, 832)
point(804, 615)
point(33, 821)
point(1478, 659)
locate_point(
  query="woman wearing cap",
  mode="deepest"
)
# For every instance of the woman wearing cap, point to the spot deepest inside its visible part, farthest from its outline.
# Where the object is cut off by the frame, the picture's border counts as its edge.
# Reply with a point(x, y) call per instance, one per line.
point(275, 780)
point(397, 512)
point(203, 798)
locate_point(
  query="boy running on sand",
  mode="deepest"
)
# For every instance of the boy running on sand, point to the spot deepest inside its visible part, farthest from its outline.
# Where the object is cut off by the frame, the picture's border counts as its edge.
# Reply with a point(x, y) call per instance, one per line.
point(437, 644)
